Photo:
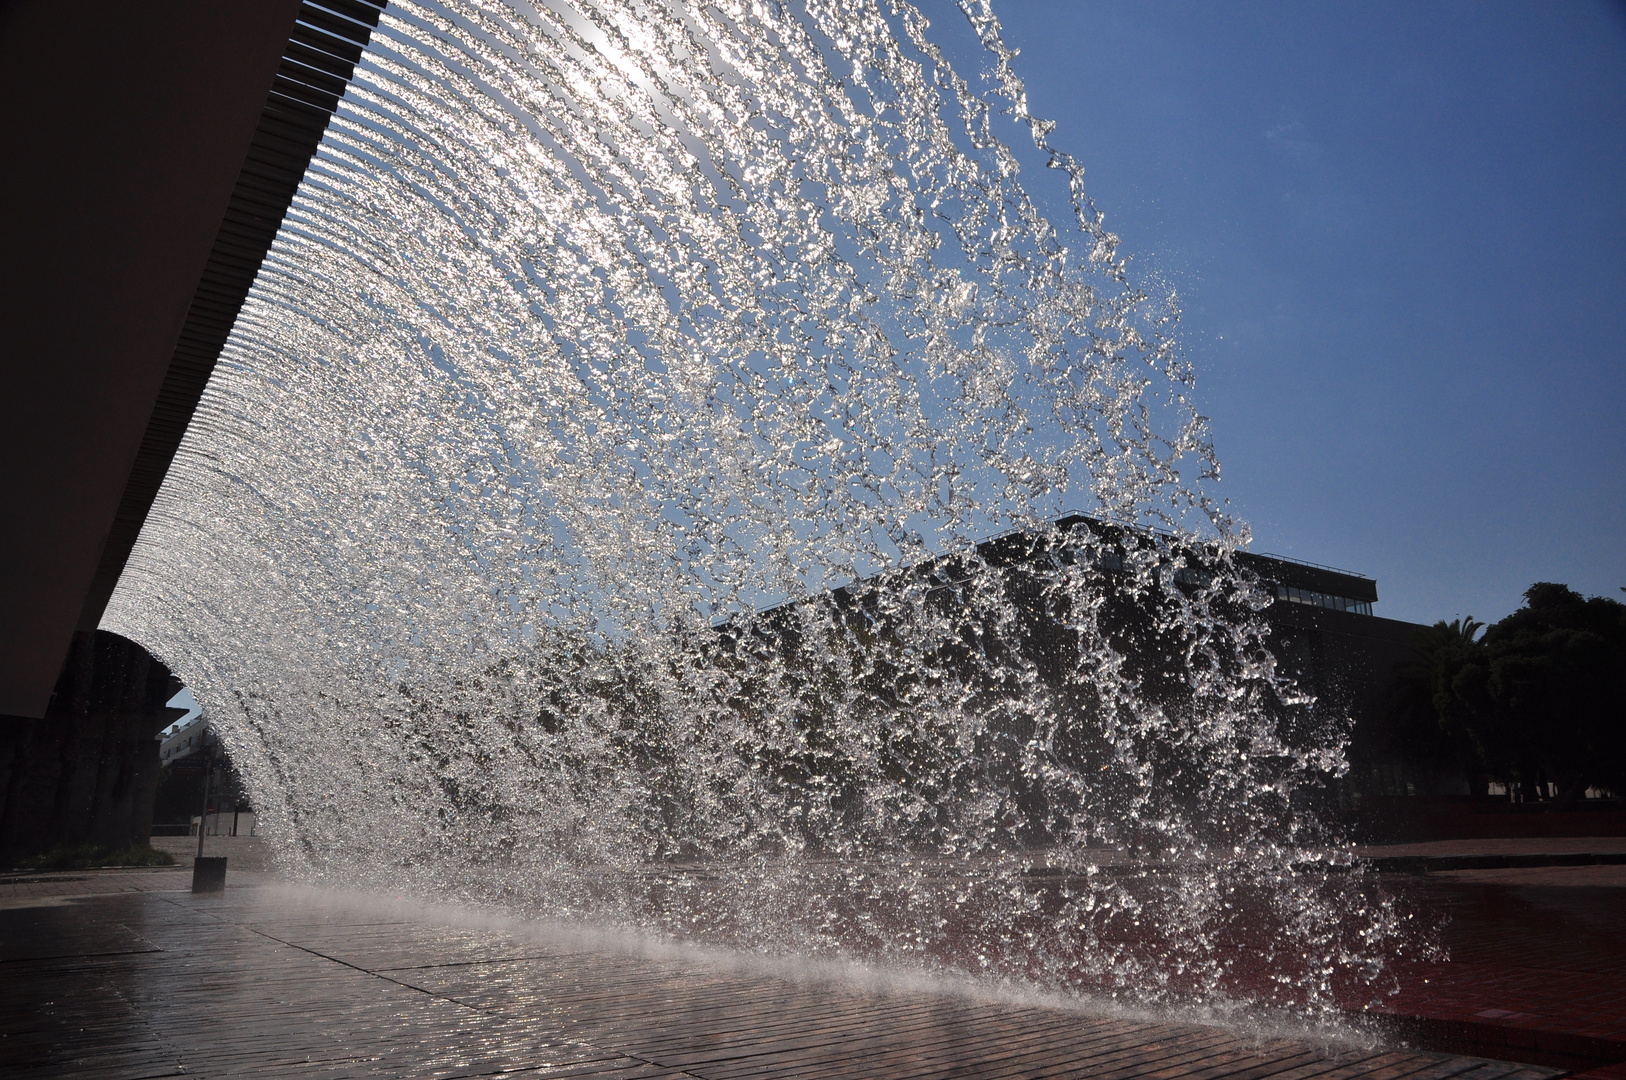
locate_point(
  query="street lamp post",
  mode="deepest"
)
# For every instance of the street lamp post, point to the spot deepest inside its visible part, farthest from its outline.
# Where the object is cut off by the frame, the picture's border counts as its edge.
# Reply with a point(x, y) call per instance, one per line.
point(208, 775)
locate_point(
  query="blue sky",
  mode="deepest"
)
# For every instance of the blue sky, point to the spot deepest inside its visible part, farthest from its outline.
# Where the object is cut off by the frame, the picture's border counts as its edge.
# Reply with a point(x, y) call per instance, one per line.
point(1399, 233)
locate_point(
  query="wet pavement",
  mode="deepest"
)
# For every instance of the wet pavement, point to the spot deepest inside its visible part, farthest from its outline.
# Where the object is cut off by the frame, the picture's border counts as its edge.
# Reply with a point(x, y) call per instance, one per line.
point(1534, 966)
point(126, 974)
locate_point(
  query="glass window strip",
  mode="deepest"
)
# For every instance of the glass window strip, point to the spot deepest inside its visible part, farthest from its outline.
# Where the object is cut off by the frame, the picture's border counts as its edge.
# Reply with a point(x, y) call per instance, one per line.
point(1294, 595)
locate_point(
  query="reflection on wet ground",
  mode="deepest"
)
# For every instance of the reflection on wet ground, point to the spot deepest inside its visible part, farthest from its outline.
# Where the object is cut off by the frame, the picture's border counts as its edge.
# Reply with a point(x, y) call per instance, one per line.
point(285, 981)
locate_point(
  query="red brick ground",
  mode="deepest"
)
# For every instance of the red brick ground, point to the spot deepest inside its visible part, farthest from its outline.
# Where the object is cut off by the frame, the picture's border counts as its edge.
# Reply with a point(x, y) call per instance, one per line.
point(1537, 959)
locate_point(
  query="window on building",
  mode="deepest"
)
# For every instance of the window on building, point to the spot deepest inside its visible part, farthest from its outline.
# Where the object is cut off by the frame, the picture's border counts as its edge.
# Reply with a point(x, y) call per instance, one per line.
point(1294, 595)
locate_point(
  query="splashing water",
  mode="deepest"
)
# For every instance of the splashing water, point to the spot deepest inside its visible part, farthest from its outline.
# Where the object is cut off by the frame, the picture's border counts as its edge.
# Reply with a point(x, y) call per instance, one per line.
point(583, 517)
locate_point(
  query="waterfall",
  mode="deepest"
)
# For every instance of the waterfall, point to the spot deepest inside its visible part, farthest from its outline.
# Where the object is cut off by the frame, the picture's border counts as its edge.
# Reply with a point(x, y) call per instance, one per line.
point(672, 471)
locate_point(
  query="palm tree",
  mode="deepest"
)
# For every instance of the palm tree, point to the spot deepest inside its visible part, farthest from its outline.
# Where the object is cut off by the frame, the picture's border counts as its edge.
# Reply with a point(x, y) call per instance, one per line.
point(1436, 724)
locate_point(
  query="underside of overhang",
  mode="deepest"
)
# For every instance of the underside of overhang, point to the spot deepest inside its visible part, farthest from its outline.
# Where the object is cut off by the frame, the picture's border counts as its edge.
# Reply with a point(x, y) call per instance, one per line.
point(155, 149)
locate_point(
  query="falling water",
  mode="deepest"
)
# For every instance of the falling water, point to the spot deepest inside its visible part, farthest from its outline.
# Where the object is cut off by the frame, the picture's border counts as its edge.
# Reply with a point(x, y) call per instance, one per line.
point(585, 517)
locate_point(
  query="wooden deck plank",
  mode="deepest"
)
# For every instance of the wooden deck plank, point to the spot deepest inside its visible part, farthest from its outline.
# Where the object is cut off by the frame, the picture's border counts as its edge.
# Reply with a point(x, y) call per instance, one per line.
point(812, 1048)
point(922, 1057)
point(1242, 1064)
point(891, 1054)
point(1129, 1062)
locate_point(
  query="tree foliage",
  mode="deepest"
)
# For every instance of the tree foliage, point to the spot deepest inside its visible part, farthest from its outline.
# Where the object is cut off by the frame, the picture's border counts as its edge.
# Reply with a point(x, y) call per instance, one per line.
point(1540, 698)
point(1432, 726)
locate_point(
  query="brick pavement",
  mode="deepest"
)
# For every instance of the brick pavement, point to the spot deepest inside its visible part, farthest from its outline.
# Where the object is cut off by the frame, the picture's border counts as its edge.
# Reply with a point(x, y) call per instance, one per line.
point(138, 978)
point(1537, 955)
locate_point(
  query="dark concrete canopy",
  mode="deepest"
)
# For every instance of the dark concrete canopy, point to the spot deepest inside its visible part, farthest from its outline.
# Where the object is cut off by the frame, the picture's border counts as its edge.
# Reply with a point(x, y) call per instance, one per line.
point(153, 151)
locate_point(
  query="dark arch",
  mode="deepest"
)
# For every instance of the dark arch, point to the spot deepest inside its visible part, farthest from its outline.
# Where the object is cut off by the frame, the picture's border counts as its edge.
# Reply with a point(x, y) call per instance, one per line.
point(85, 773)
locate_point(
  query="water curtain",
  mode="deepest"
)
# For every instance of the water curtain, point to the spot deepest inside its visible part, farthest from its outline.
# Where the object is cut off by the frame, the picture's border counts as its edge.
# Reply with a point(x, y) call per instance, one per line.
point(631, 492)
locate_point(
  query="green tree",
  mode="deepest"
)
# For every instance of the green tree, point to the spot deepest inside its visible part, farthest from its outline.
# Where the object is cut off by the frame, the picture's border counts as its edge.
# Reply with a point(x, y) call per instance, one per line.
point(1539, 699)
point(1439, 721)
point(1554, 690)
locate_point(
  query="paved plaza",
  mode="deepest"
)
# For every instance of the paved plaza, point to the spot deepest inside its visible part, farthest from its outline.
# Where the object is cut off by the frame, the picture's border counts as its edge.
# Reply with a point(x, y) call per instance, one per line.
point(1536, 962)
point(127, 974)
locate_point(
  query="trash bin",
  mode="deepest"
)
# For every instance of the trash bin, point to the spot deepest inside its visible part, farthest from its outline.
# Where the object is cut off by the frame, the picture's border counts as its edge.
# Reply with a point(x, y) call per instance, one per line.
point(209, 874)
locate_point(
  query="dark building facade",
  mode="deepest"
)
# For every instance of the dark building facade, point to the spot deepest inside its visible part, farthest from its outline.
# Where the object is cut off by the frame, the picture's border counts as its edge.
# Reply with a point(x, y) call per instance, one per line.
point(86, 772)
point(1322, 634)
